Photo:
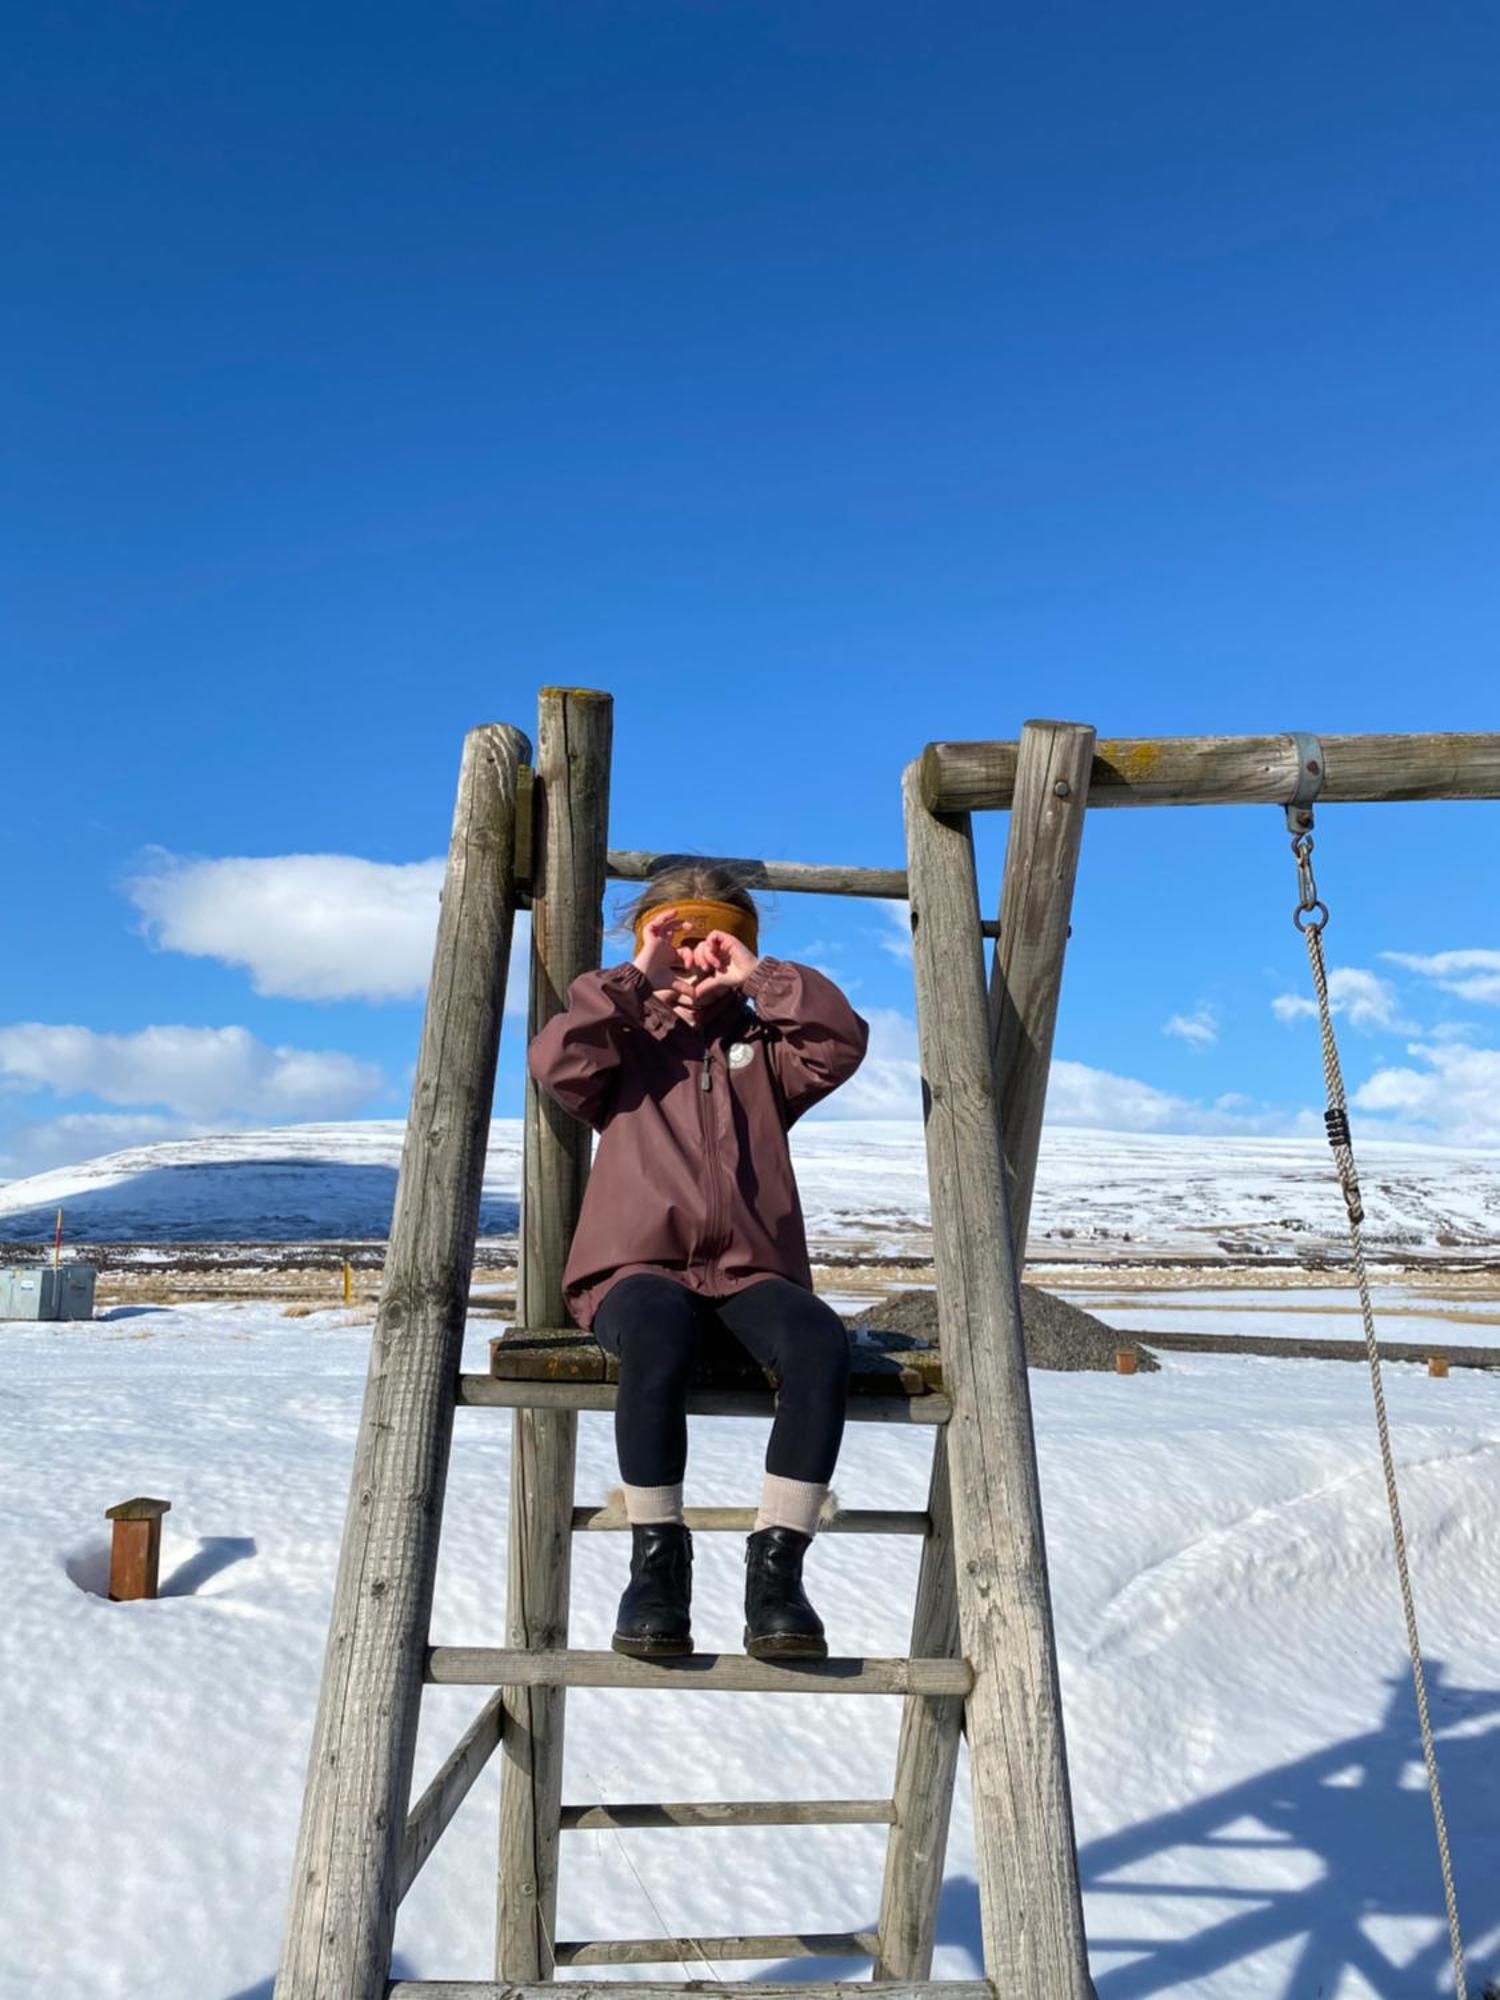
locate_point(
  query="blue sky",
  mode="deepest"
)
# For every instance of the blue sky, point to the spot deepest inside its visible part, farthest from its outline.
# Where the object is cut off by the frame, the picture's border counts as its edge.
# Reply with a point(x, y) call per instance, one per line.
point(819, 380)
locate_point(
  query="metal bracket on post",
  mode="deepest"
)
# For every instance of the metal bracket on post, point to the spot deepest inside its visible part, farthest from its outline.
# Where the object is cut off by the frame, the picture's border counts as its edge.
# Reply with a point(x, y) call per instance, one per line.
point(1310, 773)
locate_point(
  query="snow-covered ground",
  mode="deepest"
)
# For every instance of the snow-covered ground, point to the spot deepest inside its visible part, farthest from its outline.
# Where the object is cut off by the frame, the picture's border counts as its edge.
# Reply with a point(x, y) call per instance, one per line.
point(1402, 1312)
point(1246, 1773)
point(1245, 1765)
point(864, 1183)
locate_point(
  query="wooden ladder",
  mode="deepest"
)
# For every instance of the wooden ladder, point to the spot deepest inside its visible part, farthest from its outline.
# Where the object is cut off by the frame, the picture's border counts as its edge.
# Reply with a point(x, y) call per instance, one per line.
point(982, 1656)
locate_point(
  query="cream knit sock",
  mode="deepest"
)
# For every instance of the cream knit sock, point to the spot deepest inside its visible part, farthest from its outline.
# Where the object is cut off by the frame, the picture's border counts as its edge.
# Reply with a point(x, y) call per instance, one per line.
point(790, 1503)
point(648, 1505)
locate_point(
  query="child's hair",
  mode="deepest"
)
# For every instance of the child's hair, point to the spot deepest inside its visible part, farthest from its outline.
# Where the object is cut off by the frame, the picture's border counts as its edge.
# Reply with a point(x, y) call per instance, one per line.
point(680, 875)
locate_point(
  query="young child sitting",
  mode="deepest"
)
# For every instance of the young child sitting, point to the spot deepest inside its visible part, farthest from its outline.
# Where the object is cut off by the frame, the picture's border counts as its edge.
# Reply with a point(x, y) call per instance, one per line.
point(691, 1215)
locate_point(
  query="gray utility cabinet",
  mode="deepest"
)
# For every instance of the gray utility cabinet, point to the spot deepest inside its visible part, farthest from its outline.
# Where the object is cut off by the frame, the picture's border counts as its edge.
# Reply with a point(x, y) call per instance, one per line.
point(47, 1291)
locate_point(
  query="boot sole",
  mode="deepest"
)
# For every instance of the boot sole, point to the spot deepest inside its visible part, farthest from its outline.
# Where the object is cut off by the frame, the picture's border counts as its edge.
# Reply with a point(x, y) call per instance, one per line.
point(786, 1646)
point(652, 1649)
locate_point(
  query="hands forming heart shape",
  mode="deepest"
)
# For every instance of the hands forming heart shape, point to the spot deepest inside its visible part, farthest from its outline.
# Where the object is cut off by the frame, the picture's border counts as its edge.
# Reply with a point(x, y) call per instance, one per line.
point(692, 976)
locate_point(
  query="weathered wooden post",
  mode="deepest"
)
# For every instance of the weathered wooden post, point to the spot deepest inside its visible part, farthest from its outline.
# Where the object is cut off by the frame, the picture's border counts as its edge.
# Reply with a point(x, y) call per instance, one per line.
point(1036, 910)
point(1031, 1914)
point(570, 835)
point(1041, 864)
point(347, 1873)
point(135, 1547)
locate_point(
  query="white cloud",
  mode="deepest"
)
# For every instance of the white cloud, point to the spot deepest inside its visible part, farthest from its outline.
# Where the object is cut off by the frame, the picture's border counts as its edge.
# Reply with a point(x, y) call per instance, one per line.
point(84, 1135)
point(1474, 975)
point(1293, 1007)
point(888, 1084)
point(198, 1073)
point(1200, 1029)
point(1454, 1097)
point(896, 937)
point(308, 926)
point(1367, 1000)
point(1080, 1095)
point(305, 926)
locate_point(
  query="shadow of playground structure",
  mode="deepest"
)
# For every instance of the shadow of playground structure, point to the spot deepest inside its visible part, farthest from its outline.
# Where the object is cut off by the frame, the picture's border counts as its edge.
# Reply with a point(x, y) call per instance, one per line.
point(1354, 1820)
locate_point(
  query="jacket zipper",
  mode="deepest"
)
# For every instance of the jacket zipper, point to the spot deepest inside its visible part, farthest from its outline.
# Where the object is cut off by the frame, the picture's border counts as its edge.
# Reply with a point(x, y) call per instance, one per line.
point(710, 1155)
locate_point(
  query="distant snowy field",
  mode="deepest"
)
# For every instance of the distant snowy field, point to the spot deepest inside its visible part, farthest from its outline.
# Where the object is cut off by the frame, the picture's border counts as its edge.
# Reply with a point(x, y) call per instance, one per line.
point(1252, 1818)
point(864, 1184)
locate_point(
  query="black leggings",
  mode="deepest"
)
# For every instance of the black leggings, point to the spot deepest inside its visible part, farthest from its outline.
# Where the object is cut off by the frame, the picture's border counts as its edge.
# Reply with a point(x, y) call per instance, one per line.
point(655, 1325)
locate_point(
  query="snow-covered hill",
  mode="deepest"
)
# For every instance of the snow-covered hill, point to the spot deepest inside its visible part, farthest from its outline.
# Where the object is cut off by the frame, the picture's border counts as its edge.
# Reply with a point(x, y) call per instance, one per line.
point(864, 1186)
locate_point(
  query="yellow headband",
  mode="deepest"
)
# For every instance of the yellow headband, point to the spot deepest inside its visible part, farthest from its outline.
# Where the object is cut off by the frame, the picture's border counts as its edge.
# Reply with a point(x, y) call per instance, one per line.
point(701, 916)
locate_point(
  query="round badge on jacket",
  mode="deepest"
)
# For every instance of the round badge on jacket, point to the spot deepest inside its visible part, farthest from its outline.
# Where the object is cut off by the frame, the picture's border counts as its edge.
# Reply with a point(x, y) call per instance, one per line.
point(741, 1053)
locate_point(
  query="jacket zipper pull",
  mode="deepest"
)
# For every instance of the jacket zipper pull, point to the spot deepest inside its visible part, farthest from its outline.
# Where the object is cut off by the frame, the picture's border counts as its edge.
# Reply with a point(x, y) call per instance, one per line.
point(706, 1082)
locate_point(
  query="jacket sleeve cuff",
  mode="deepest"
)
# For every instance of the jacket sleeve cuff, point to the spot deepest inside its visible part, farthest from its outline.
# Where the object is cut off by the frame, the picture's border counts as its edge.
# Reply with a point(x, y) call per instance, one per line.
point(632, 993)
point(766, 970)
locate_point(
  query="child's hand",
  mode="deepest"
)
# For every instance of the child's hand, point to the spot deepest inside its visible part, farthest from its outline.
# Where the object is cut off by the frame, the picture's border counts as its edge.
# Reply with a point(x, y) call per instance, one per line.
point(657, 957)
point(725, 962)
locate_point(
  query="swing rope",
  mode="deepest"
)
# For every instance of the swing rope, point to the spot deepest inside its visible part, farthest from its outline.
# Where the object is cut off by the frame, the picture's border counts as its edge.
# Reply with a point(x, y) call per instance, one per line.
point(1310, 915)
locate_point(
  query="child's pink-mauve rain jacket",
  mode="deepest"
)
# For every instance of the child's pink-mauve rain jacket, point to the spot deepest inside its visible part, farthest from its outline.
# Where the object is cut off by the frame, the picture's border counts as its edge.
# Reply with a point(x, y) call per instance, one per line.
point(691, 1176)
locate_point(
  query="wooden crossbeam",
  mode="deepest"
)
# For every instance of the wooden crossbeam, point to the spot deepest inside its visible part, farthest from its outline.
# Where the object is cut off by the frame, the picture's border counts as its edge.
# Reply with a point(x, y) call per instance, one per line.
point(733, 1812)
point(1224, 770)
point(496, 1666)
point(700, 1989)
point(805, 877)
point(486, 1392)
point(679, 1951)
point(448, 1790)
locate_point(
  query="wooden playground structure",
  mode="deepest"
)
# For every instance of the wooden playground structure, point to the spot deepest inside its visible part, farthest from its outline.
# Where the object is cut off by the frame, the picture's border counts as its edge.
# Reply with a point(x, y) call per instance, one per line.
point(532, 832)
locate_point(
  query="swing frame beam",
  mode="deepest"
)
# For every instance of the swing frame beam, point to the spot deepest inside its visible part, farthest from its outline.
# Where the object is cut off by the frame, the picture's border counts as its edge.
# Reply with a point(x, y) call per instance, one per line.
point(985, 1037)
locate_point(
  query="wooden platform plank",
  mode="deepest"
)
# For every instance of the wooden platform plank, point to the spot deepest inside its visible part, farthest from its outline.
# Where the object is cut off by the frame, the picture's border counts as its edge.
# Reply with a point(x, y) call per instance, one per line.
point(881, 1363)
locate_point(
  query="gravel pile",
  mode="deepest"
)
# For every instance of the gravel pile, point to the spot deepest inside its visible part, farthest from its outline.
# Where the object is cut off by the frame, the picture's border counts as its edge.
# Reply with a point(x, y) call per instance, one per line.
point(1058, 1335)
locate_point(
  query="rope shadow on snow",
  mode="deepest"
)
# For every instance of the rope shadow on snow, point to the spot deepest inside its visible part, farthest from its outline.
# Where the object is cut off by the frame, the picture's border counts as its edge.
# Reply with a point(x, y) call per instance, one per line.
point(1355, 1822)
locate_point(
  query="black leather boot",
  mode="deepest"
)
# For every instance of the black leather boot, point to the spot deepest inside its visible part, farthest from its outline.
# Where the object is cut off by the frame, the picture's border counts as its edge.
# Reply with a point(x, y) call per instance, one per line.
point(653, 1621)
point(780, 1624)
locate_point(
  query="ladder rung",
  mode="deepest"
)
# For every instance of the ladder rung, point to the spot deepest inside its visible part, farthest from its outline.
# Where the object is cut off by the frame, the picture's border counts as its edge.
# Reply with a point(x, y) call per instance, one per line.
point(493, 1392)
point(674, 1989)
point(677, 1951)
point(735, 1812)
point(495, 1666)
point(740, 1520)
